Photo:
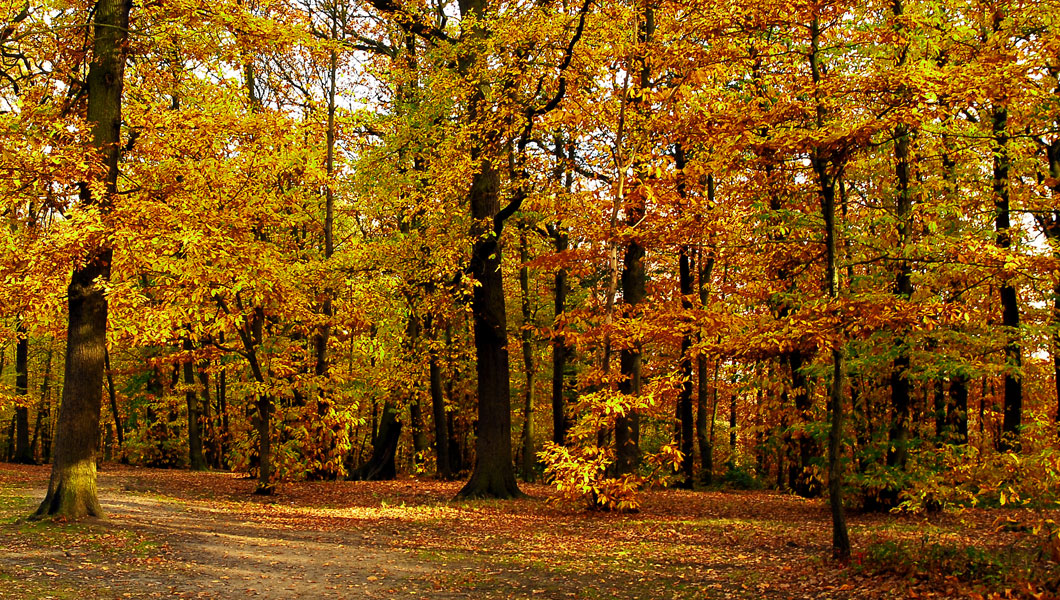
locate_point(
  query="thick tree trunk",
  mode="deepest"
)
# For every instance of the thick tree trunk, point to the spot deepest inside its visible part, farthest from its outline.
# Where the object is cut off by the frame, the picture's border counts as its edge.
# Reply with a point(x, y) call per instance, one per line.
point(72, 487)
point(494, 474)
point(1010, 316)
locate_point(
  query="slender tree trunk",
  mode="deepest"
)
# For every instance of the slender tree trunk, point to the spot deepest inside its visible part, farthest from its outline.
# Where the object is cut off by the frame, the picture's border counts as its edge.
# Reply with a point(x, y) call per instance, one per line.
point(441, 438)
point(191, 398)
point(687, 423)
point(526, 334)
point(119, 426)
point(957, 415)
point(211, 451)
point(43, 411)
point(23, 448)
point(733, 398)
point(898, 449)
point(561, 242)
point(560, 422)
point(823, 165)
point(72, 487)
point(320, 339)
point(1010, 316)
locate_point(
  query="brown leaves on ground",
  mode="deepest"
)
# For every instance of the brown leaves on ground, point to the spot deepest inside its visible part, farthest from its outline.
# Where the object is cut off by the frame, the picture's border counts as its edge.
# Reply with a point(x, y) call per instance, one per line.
point(184, 534)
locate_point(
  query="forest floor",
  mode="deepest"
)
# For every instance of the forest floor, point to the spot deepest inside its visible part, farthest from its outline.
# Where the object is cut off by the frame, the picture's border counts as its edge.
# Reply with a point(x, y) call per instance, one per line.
point(179, 534)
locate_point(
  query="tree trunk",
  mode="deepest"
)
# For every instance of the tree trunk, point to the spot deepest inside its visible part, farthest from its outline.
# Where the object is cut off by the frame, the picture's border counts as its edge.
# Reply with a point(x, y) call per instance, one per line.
point(494, 473)
point(1010, 316)
point(528, 452)
point(382, 465)
point(560, 423)
point(42, 426)
point(687, 424)
point(23, 448)
point(191, 398)
point(72, 487)
point(119, 426)
point(824, 165)
point(441, 438)
point(898, 449)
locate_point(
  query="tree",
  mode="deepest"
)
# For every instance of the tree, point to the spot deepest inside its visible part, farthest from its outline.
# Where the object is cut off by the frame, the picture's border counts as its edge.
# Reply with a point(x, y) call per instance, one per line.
point(72, 487)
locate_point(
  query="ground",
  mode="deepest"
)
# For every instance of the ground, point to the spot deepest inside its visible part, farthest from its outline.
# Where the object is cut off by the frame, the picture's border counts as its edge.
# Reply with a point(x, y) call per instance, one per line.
point(171, 533)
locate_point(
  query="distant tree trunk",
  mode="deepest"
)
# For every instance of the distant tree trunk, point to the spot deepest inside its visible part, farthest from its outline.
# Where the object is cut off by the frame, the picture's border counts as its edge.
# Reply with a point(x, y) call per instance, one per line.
point(211, 451)
point(191, 398)
point(561, 242)
point(957, 415)
point(686, 422)
point(441, 438)
point(733, 398)
point(382, 465)
point(222, 413)
point(119, 426)
point(42, 427)
point(23, 448)
point(800, 474)
point(898, 448)
point(419, 432)
point(72, 487)
point(560, 423)
point(1010, 316)
point(529, 455)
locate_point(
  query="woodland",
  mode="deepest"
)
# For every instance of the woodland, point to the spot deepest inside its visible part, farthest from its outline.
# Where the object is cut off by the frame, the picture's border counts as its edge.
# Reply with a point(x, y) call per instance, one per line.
point(609, 246)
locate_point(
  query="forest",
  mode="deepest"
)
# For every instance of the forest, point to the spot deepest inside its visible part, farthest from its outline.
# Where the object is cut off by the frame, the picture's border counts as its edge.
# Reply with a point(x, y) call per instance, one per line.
point(612, 246)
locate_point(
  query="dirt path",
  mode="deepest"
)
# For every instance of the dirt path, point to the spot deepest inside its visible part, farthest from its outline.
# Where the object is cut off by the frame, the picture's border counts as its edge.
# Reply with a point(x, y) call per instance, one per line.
point(191, 549)
point(212, 554)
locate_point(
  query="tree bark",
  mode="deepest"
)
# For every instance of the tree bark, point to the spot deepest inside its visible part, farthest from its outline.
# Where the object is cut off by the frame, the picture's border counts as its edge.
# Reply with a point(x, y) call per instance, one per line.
point(824, 165)
point(191, 398)
point(441, 437)
point(1010, 316)
point(72, 487)
point(23, 448)
point(382, 465)
point(528, 453)
point(494, 473)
